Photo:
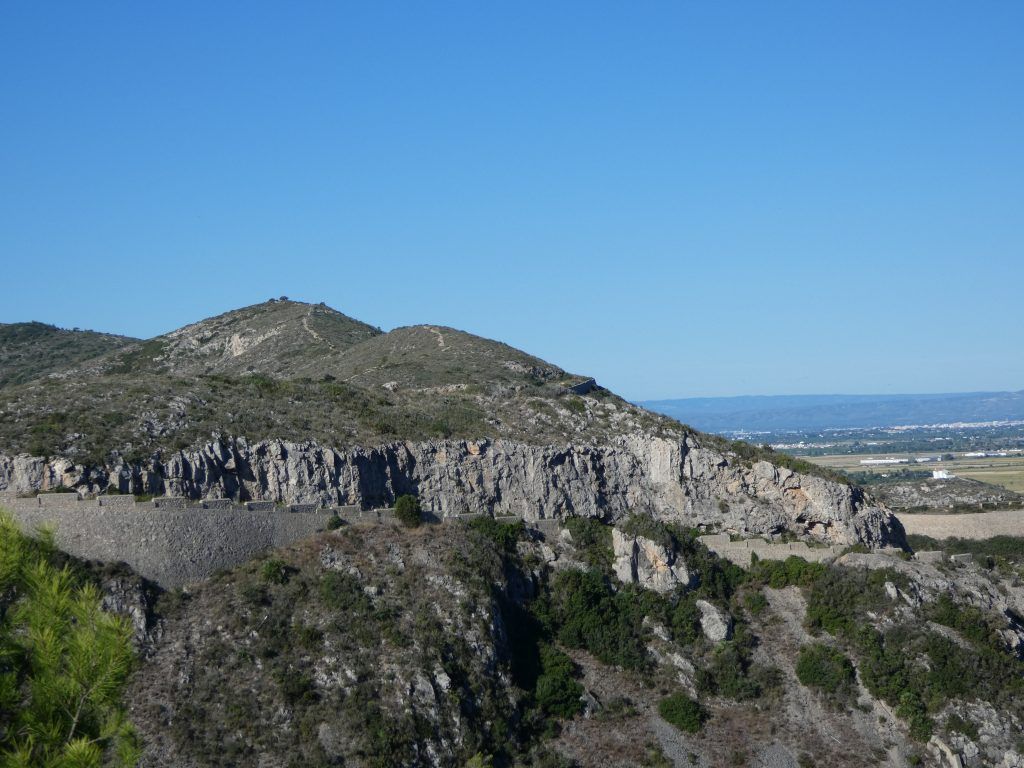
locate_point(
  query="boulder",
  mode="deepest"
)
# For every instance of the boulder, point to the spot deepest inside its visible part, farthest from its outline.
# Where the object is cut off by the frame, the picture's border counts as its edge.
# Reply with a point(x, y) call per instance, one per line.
point(715, 623)
point(645, 562)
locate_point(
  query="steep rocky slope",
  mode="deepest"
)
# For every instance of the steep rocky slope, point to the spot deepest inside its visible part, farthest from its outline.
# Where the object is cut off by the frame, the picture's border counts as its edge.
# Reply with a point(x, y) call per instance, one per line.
point(386, 648)
point(444, 644)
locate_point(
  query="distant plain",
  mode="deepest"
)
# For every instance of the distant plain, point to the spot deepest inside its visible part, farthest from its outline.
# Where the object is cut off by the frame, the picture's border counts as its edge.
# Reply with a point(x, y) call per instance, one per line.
point(1007, 471)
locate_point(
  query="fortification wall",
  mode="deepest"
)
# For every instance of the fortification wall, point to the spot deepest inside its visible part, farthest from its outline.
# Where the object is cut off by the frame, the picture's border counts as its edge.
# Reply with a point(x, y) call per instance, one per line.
point(740, 552)
point(175, 542)
point(171, 547)
point(974, 525)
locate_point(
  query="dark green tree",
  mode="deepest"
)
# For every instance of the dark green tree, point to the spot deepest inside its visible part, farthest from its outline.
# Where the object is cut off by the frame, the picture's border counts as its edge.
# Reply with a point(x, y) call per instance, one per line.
point(407, 510)
point(63, 664)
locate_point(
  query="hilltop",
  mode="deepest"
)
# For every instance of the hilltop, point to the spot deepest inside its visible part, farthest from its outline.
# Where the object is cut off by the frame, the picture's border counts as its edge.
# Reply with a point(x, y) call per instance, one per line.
point(295, 371)
point(281, 338)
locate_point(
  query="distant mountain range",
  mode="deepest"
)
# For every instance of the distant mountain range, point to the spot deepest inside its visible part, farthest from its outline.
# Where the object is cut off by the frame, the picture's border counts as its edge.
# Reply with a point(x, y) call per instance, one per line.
point(806, 412)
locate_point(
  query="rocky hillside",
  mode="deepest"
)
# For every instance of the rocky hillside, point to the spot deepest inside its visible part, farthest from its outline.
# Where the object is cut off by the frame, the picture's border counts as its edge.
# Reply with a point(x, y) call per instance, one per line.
point(304, 404)
point(32, 350)
point(910, 491)
point(298, 372)
point(487, 644)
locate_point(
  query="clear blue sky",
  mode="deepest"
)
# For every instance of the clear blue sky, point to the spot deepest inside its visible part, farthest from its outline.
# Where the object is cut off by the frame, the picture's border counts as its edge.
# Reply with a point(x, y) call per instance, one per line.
point(678, 198)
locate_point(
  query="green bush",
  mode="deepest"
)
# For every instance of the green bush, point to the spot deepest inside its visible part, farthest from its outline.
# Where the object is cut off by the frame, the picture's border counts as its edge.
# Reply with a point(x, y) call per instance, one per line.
point(826, 669)
point(956, 723)
point(755, 602)
point(276, 571)
point(727, 670)
point(839, 598)
point(891, 669)
point(407, 510)
point(334, 522)
point(63, 664)
point(593, 541)
point(588, 614)
point(576, 405)
point(684, 620)
point(557, 692)
point(504, 536)
point(649, 528)
point(683, 712)
point(969, 621)
point(343, 592)
point(793, 571)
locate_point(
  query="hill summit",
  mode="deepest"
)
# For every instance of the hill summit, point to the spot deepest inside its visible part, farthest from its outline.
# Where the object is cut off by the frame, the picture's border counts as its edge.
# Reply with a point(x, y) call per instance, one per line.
point(289, 370)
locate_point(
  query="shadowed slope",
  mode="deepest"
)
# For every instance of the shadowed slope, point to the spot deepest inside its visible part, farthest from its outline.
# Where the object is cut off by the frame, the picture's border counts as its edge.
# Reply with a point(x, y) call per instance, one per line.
point(31, 350)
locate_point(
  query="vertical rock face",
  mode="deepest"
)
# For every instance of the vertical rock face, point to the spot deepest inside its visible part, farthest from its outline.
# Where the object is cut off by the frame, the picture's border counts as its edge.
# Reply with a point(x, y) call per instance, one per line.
point(647, 563)
point(673, 480)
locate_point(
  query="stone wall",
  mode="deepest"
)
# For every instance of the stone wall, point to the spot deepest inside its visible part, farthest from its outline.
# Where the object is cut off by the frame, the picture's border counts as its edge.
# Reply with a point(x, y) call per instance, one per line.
point(174, 542)
point(976, 525)
point(171, 547)
point(169, 540)
point(740, 552)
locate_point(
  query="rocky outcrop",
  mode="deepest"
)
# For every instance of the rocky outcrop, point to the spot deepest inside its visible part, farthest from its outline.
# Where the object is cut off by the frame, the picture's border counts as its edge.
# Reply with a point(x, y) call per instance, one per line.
point(965, 584)
point(647, 563)
point(671, 479)
point(715, 623)
point(955, 493)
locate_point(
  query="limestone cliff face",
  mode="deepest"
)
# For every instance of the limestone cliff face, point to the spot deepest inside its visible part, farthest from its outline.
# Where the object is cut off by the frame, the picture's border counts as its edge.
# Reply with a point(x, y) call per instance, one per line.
point(639, 560)
point(671, 479)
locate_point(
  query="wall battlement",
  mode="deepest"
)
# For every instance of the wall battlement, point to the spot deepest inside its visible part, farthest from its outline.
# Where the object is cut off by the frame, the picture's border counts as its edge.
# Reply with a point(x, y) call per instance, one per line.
point(174, 541)
point(741, 552)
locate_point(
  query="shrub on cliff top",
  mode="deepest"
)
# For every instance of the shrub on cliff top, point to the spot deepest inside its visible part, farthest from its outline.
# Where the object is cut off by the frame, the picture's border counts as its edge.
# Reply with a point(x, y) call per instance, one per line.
point(407, 510)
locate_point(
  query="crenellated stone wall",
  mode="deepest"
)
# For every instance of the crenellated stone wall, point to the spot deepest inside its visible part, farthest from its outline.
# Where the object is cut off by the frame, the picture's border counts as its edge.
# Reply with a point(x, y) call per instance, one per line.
point(173, 541)
point(741, 552)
